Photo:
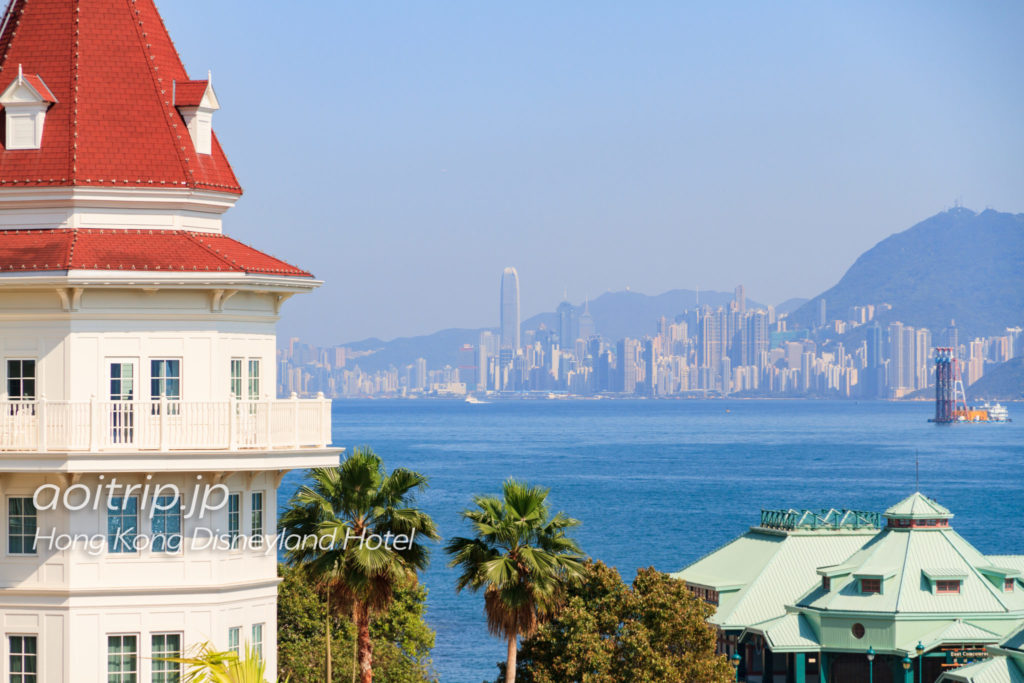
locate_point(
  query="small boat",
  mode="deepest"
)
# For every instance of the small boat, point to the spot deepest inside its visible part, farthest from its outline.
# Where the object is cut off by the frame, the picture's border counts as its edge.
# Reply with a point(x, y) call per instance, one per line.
point(997, 413)
point(473, 399)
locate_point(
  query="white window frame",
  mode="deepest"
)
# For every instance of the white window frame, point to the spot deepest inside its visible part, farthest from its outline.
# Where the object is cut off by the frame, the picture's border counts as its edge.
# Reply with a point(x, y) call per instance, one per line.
point(236, 539)
point(7, 378)
point(254, 382)
point(165, 378)
point(153, 655)
point(138, 531)
point(256, 540)
point(245, 386)
point(257, 642)
point(181, 526)
point(7, 526)
point(138, 656)
point(235, 631)
point(9, 654)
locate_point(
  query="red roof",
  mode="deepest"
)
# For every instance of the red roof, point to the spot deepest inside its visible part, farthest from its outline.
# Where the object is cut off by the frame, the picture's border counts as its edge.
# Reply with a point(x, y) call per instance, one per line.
point(117, 126)
point(142, 250)
point(189, 93)
point(37, 84)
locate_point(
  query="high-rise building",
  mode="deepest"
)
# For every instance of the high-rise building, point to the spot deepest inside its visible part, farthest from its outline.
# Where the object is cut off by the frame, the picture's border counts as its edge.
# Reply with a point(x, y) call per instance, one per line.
point(740, 297)
point(143, 387)
point(587, 328)
point(822, 313)
point(756, 339)
point(628, 351)
point(875, 378)
point(650, 367)
point(567, 325)
point(975, 361)
point(923, 358)
point(896, 356)
point(468, 363)
point(908, 360)
point(420, 382)
point(510, 325)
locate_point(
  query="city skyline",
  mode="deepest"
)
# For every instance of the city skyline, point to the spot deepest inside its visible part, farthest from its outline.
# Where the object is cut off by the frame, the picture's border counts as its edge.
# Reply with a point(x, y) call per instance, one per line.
point(700, 352)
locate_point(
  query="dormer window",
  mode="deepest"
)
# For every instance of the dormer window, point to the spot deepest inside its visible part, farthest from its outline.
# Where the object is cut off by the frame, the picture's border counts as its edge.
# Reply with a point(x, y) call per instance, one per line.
point(1008, 585)
point(950, 586)
point(826, 584)
point(196, 102)
point(870, 586)
point(25, 101)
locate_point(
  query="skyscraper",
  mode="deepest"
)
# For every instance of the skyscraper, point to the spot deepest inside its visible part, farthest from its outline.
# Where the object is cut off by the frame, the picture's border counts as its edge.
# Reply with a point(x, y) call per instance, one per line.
point(587, 329)
point(510, 309)
point(875, 376)
point(756, 339)
point(567, 325)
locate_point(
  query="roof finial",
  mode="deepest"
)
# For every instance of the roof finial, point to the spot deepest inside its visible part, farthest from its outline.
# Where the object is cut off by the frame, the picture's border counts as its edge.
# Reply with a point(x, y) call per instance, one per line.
point(209, 76)
point(20, 77)
point(917, 471)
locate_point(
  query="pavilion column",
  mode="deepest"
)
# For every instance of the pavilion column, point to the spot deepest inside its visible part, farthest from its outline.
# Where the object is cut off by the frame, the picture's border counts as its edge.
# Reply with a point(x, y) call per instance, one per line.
point(823, 667)
point(800, 668)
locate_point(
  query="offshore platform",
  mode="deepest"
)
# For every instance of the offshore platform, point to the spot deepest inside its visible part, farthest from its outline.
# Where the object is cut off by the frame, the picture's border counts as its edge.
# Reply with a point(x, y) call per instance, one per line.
point(950, 398)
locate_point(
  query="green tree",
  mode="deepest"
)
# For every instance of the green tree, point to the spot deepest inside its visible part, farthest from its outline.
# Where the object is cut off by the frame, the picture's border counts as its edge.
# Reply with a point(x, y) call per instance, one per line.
point(654, 631)
point(520, 556)
point(402, 641)
point(362, 538)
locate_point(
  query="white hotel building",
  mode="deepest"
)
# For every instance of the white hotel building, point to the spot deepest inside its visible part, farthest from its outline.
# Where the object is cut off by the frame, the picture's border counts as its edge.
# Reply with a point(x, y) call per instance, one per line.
point(137, 343)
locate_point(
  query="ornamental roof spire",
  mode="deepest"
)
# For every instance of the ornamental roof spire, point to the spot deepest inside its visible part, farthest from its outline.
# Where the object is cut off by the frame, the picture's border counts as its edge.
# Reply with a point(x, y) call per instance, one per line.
point(109, 67)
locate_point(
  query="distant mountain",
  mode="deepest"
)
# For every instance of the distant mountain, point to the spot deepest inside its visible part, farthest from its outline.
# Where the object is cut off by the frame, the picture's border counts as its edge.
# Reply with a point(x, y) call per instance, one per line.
point(1004, 382)
point(439, 349)
point(632, 314)
point(616, 315)
point(790, 305)
point(957, 265)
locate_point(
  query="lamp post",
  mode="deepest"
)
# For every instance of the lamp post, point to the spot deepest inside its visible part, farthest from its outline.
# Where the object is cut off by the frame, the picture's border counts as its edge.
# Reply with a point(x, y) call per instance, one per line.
point(871, 664)
point(906, 667)
point(920, 660)
point(735, 661)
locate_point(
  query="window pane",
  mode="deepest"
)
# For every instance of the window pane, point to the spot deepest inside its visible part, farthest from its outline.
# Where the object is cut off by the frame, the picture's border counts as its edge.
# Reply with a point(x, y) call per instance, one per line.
point(21, 526)
point(257, 520)
point(122, 524)
point(167, 524)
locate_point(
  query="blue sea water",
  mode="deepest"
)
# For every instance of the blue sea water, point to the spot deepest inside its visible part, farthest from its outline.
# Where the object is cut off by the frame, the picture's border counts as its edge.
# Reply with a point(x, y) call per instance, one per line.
point(660, 482)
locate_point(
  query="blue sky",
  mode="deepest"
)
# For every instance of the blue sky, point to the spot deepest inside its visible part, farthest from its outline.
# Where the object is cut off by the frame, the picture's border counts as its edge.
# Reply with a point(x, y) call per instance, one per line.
point(406, 152)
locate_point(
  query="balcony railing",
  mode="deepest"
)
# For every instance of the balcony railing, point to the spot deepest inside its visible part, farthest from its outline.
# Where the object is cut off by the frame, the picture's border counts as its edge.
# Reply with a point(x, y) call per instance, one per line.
point(164, 425)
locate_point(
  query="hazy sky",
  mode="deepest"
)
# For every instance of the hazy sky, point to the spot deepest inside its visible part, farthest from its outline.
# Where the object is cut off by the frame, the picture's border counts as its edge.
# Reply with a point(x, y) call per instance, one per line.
point(407, 152)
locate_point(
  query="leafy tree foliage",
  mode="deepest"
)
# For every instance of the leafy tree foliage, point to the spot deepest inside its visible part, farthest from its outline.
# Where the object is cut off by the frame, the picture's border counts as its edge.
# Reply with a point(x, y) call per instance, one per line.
point(520, 556)
point(654, 631)
point(335, 512)
point(402, 641)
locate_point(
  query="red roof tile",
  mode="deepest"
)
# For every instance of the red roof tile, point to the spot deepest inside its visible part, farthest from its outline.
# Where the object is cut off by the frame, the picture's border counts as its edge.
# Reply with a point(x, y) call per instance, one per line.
point(37, 84)
point(189, 93)
point(116, 126)
point(142, 250)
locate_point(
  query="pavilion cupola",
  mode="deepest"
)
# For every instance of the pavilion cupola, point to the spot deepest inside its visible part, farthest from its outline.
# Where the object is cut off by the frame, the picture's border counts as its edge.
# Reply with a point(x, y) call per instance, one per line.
point(196, 101)
point(25, 100)
point(917, 512)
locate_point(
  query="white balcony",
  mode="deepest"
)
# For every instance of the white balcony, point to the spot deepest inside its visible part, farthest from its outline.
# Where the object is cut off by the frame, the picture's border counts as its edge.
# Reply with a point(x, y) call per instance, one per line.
point(128, 426)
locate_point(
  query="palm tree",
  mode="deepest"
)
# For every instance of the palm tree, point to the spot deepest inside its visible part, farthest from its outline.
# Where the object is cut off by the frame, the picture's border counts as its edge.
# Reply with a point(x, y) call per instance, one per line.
point(522, 559)
point(210, 666)
point(339, 507)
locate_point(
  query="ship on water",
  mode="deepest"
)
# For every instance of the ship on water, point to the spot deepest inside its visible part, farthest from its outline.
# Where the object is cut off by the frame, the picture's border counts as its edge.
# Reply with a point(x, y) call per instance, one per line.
point(950, 397)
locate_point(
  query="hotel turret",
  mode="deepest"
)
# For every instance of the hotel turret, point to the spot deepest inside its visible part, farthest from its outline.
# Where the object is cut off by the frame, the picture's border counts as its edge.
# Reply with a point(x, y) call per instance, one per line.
point(141, 445)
